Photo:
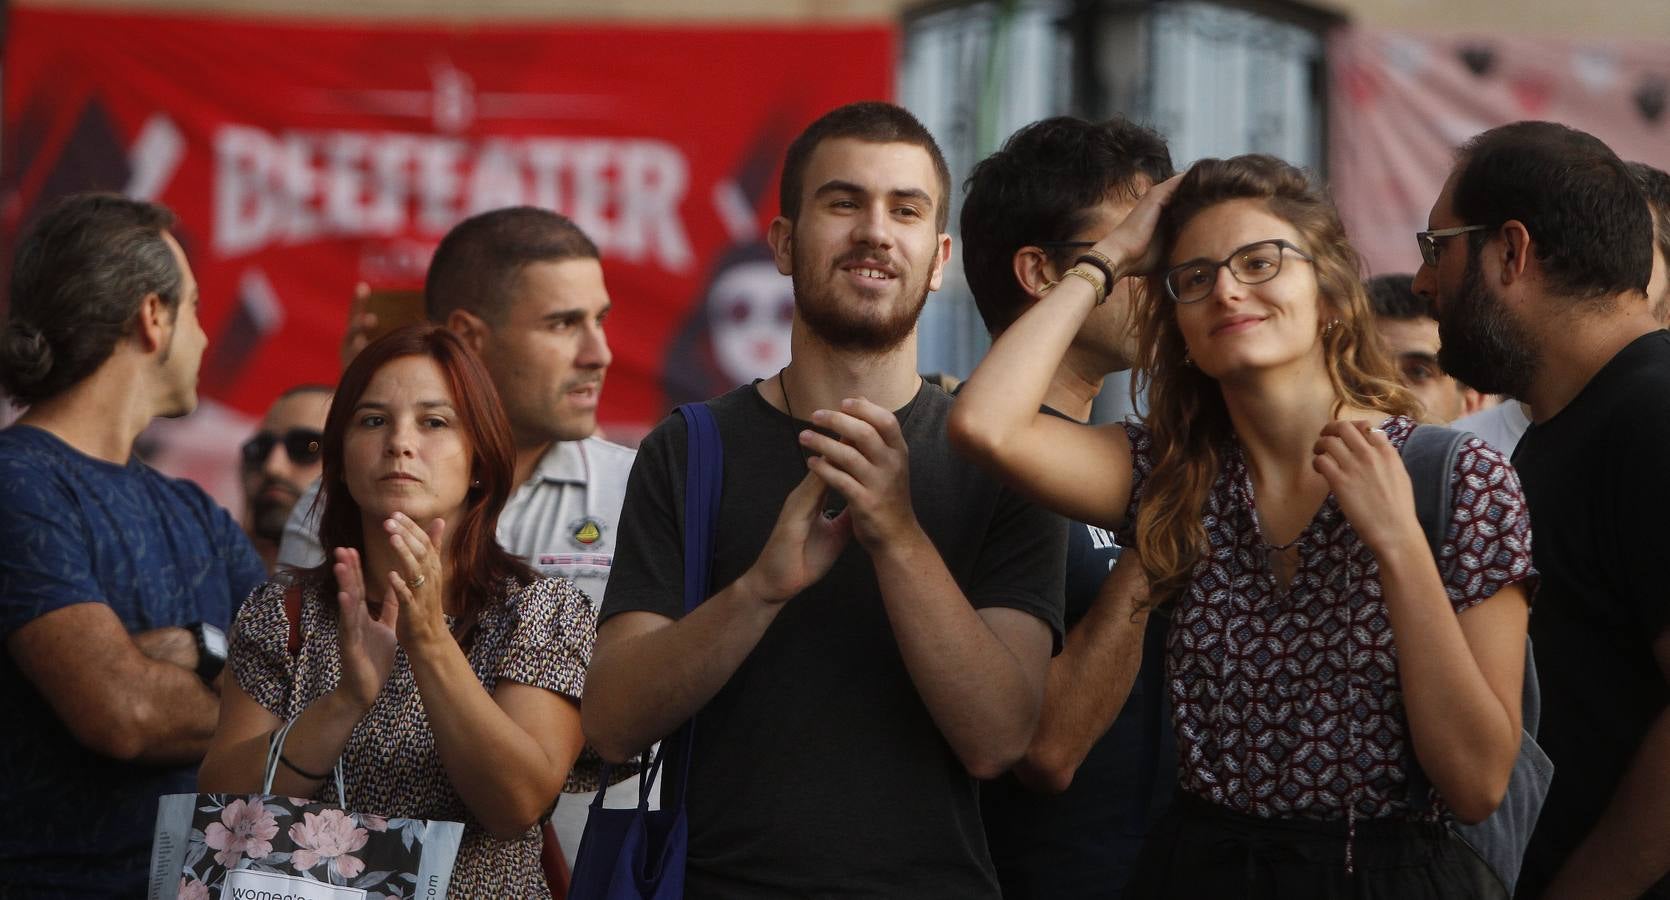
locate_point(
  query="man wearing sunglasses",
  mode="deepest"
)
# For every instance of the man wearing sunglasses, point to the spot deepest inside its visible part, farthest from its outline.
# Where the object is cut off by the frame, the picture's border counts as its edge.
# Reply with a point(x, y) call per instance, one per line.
point(1538, 258)
point(278, 463)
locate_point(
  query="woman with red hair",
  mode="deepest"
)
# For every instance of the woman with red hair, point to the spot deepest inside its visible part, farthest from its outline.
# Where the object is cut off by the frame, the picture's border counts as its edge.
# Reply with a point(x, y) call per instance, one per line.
point(441, 672)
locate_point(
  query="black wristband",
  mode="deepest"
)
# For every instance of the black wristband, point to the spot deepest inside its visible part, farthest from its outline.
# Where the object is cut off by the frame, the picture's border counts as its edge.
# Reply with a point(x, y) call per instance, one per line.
point(301, 771)
point(1094, 261)
point(211, 650)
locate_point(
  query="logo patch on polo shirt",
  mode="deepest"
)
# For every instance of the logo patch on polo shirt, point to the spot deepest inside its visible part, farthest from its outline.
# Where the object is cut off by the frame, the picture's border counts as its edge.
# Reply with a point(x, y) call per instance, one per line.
point(586, 532)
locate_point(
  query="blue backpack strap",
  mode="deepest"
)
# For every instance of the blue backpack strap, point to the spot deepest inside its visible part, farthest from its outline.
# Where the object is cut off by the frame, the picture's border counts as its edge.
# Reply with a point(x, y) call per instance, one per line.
point(704, 475)
point(703, 479)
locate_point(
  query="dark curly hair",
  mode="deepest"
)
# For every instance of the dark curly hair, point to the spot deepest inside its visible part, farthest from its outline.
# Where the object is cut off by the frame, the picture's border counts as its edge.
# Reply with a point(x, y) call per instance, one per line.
point(1045, 185)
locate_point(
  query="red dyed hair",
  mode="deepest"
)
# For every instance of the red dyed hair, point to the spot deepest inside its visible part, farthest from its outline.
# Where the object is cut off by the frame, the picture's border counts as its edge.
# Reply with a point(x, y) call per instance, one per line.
point(480, 565)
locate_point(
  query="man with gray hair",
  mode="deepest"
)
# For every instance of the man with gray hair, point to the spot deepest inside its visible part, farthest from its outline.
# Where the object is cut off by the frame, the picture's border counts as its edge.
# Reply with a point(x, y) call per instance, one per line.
point(116, 582)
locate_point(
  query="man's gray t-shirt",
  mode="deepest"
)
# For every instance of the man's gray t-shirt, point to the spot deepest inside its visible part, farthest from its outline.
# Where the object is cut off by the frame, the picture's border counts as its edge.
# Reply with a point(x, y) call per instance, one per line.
point(817, 769)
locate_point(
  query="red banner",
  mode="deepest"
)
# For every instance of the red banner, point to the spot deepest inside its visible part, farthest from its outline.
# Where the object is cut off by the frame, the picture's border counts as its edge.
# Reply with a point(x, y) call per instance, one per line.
point(304, 158)
point(1402, 102)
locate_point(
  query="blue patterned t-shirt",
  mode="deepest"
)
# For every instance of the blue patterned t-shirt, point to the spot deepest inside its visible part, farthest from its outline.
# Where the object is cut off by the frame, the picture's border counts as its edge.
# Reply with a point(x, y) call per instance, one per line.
point(157, 551)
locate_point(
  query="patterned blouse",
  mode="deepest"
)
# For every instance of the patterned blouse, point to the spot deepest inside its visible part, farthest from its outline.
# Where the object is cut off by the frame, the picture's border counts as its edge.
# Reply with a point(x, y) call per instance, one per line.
point(541, 634)
point(1287, 703)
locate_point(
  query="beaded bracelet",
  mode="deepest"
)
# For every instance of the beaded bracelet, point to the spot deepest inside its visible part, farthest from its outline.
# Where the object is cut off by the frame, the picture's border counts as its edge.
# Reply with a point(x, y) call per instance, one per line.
point(1100, 287)
point(1101, 263)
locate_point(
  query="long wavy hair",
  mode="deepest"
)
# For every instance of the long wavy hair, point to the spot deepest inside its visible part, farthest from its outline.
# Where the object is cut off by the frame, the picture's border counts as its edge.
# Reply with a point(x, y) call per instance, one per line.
point(479, 564)
point(1187, 417)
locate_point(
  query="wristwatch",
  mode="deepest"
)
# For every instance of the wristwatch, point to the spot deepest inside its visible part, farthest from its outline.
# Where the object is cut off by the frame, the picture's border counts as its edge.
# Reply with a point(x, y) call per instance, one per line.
point(211, 650)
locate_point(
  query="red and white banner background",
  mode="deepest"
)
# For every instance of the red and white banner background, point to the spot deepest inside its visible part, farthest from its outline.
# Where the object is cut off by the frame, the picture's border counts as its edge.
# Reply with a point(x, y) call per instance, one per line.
point(303, 158)
point(1402, 102)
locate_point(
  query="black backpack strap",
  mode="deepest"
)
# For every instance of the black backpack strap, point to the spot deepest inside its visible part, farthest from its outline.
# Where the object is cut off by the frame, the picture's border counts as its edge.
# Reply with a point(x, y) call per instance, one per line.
point(1430, 455)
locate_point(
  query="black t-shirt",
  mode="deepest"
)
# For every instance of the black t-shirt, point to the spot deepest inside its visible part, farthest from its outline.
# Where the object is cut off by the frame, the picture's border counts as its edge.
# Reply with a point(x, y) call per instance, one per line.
point(1599, 491)
point(817, 770)
point(1083, 841)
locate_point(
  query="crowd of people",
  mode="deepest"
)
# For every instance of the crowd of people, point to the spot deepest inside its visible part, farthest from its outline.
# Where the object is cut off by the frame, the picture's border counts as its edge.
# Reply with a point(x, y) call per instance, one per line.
point(958, 644)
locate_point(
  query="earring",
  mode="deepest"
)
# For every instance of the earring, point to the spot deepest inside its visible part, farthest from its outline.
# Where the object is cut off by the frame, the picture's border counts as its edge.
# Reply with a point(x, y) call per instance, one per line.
point(1188, 361)
point(475, 483)
point(1328, 329)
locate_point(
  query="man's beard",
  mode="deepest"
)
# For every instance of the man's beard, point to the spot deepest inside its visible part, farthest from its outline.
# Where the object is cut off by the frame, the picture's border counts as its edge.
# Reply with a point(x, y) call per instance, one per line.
point(1480, 343)
point(816, 301)
point(270, 514)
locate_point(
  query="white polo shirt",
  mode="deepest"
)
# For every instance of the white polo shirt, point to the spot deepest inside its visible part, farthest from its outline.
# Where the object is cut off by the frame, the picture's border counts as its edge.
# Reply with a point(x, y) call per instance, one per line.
point(563, 521)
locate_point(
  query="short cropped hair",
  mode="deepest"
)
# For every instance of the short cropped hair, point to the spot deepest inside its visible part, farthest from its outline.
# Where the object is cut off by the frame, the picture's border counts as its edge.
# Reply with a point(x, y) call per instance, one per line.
point(1655, 183)
point(477, 264)
point(874, 122)
point(1394, 297)
point(307, 388)
point(1588, 222)
point(1044, 185)
point(81, 273)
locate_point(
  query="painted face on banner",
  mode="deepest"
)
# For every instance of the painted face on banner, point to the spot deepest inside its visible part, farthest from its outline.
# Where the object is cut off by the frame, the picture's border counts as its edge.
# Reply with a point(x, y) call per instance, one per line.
point(750, 311)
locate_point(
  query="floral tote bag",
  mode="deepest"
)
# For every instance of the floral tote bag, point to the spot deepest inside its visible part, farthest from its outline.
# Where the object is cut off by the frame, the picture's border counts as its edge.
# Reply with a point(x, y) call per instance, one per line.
point(262, 847)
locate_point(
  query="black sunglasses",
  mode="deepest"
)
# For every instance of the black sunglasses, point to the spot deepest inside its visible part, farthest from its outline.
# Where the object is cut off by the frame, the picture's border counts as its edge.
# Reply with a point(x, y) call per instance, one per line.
point(302, 445)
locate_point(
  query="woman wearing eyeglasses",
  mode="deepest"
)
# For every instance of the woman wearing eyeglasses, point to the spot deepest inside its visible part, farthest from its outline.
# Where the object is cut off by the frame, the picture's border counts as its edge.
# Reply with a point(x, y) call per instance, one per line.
point(439, 671)
point(1317, 649)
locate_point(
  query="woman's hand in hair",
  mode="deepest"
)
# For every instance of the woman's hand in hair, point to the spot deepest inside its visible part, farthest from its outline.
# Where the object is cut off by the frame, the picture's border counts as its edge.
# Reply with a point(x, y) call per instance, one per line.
point(1131, 244)
point(1368, 478)
point(365, 642)
point(415, 582)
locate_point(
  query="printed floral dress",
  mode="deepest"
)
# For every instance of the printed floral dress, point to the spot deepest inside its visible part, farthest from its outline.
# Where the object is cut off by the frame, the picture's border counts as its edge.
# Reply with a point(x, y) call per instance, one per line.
point(1286, 697)
point(539, 634)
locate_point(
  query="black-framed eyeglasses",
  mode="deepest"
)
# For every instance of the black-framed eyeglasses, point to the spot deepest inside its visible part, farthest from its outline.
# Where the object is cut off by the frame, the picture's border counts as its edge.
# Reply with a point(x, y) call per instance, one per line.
point(1254, 263)
point(1431, 241)
point(302, 445)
